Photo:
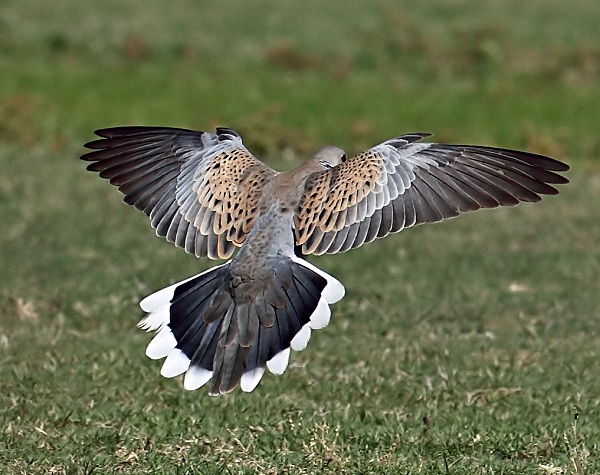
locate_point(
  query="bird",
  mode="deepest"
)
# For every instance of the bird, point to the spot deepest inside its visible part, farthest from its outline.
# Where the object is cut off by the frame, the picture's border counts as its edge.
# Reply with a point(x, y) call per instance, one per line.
point(208, 194)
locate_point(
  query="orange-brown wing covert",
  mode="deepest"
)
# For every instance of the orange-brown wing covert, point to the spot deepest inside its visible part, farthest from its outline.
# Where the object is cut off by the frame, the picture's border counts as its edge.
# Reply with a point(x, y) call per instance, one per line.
point(200, 190)
point(404, 182)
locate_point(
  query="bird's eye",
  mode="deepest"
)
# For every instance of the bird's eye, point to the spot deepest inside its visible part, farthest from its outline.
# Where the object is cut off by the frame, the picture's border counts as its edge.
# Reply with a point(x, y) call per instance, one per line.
point(343, 158)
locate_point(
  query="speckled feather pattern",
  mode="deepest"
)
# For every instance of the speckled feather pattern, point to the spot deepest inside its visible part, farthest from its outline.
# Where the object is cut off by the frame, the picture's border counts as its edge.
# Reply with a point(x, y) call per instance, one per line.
point(200, 190)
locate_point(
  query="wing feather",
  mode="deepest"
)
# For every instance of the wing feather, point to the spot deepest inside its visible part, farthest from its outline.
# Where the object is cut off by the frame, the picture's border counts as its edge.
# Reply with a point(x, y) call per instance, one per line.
point(403, 182)
point(200, 190)
point(351, 238)
point(387, 221)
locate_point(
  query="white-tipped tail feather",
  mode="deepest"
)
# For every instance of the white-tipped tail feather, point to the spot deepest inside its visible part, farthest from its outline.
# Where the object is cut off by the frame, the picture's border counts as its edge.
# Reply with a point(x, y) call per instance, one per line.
point(153, 302)
point(196, 378)
point(176, 363)
point(189, 335)
point(161, 345)
point(300, 341)
point(334, 291)
point(321, 316)
point(278, 364)
point(250, 379)
point(155, 320)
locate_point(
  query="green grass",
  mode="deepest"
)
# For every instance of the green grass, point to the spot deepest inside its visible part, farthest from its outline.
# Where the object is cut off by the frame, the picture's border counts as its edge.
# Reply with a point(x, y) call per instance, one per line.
point(468, 347)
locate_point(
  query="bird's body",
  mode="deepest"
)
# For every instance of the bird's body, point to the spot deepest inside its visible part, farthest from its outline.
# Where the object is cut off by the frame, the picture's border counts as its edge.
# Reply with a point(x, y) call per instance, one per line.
point(208, 194)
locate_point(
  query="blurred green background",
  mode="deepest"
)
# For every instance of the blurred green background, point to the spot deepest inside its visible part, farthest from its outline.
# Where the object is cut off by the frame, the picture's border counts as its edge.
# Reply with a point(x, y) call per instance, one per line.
point(486, 326)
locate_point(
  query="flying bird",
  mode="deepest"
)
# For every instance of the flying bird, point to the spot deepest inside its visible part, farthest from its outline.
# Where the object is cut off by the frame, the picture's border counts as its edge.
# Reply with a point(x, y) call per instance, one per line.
point(206, 193)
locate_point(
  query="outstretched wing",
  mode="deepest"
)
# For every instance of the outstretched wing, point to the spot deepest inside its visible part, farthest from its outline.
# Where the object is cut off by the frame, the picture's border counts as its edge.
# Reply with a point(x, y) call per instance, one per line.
point(200, 190)
point(404, 182)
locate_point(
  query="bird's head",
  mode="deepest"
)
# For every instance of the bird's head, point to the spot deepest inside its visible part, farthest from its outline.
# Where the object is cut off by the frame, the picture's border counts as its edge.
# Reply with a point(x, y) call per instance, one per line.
point(329, 157)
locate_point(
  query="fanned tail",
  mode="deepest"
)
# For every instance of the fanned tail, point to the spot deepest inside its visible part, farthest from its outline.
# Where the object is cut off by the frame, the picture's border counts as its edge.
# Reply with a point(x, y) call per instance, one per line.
point(222, 328)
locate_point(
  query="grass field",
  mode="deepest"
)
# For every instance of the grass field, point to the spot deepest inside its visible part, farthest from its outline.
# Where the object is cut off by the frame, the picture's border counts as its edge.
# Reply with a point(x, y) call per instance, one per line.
point(468, 347)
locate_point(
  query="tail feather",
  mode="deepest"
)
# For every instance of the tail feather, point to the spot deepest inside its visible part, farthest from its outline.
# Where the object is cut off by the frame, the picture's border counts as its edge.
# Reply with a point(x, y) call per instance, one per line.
point(176, 363)
point(278, 364)
point(214, 330)
point(334, 290)
point(203, 356)
point(300, 341)
point(251, 378)
point(266, 312)
point(162, 344)
point(229, 367)
point(196, 377)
